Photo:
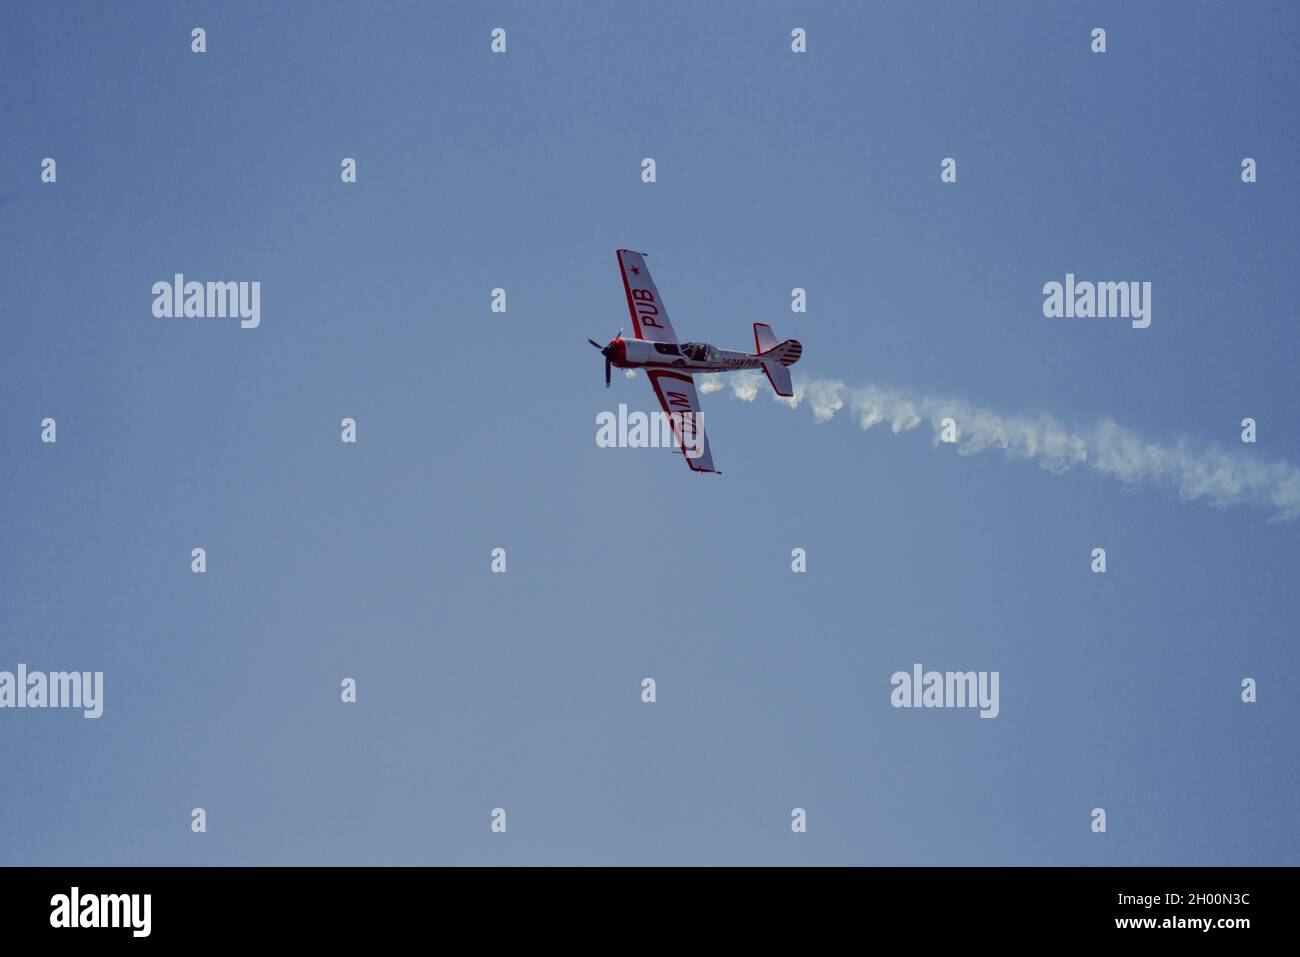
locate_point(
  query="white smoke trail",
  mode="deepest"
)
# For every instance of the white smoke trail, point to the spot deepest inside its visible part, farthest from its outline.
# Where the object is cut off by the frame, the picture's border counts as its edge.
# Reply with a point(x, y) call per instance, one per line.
point(1198, 473)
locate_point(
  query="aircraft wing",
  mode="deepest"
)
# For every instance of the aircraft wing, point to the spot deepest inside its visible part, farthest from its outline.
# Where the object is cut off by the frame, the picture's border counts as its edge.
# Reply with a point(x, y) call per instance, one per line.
point(649, 317)
point(676, 393)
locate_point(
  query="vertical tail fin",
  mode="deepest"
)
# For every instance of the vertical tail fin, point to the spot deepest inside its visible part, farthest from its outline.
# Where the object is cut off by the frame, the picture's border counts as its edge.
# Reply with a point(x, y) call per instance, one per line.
point(776, 357)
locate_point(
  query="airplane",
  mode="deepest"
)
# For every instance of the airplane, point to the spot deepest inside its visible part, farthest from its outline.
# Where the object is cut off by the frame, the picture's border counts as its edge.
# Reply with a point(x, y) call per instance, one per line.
point(669, 365)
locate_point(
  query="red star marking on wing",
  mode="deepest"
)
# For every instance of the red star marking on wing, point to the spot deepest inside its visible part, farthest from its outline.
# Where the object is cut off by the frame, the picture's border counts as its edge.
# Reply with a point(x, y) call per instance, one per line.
point(636, 271)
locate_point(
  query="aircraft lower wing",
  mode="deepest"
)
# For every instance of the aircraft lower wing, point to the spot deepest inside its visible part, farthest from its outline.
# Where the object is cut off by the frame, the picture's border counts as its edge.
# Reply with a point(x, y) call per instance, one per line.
point(677, 394)
point(649, 317)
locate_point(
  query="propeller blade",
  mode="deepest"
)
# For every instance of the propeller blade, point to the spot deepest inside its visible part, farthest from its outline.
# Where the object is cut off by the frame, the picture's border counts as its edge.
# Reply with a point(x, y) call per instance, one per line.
point(606, 373)
point(596, 344)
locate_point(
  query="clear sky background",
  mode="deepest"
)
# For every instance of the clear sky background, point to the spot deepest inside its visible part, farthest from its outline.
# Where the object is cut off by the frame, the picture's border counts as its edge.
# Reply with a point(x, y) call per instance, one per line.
point(477, 430)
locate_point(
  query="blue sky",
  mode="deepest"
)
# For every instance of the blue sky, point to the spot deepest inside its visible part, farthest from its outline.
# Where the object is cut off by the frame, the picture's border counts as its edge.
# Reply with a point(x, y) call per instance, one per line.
point(476, 430)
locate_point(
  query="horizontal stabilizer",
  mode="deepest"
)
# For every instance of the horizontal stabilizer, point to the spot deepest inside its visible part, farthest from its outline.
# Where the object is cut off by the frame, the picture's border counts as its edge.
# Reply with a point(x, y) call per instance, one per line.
point(776, 357)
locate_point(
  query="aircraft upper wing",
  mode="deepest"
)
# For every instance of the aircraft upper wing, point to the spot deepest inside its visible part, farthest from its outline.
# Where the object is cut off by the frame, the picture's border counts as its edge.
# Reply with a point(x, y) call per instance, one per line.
point(649, 317)
point(676, 392)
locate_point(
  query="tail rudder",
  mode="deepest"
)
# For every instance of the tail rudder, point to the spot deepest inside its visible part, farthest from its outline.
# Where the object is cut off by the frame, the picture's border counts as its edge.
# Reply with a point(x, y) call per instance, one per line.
point(768, 349)
point(776, 357)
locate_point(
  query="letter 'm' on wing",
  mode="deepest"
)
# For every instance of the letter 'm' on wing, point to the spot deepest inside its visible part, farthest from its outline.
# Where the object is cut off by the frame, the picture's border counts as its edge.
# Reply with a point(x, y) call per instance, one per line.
point(676, 392)
point(649, 317)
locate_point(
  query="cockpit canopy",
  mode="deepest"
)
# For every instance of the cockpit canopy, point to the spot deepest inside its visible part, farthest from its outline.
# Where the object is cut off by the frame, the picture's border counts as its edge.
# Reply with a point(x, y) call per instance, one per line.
point(697, 351)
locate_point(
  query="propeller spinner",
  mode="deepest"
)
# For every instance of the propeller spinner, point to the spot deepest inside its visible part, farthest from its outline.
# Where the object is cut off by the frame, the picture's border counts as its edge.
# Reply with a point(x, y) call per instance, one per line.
point(607, 352)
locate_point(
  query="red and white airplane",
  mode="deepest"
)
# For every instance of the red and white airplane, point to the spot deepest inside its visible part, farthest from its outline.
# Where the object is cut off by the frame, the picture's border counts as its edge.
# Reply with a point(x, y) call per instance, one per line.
point(669, 365)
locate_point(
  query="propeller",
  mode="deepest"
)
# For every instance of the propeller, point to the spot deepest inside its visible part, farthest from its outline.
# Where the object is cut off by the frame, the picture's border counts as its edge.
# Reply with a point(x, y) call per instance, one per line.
point(606, 351)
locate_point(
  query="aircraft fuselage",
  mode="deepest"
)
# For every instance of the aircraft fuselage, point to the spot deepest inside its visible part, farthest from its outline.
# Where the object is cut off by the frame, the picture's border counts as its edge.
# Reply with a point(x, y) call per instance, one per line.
point(684, 357)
